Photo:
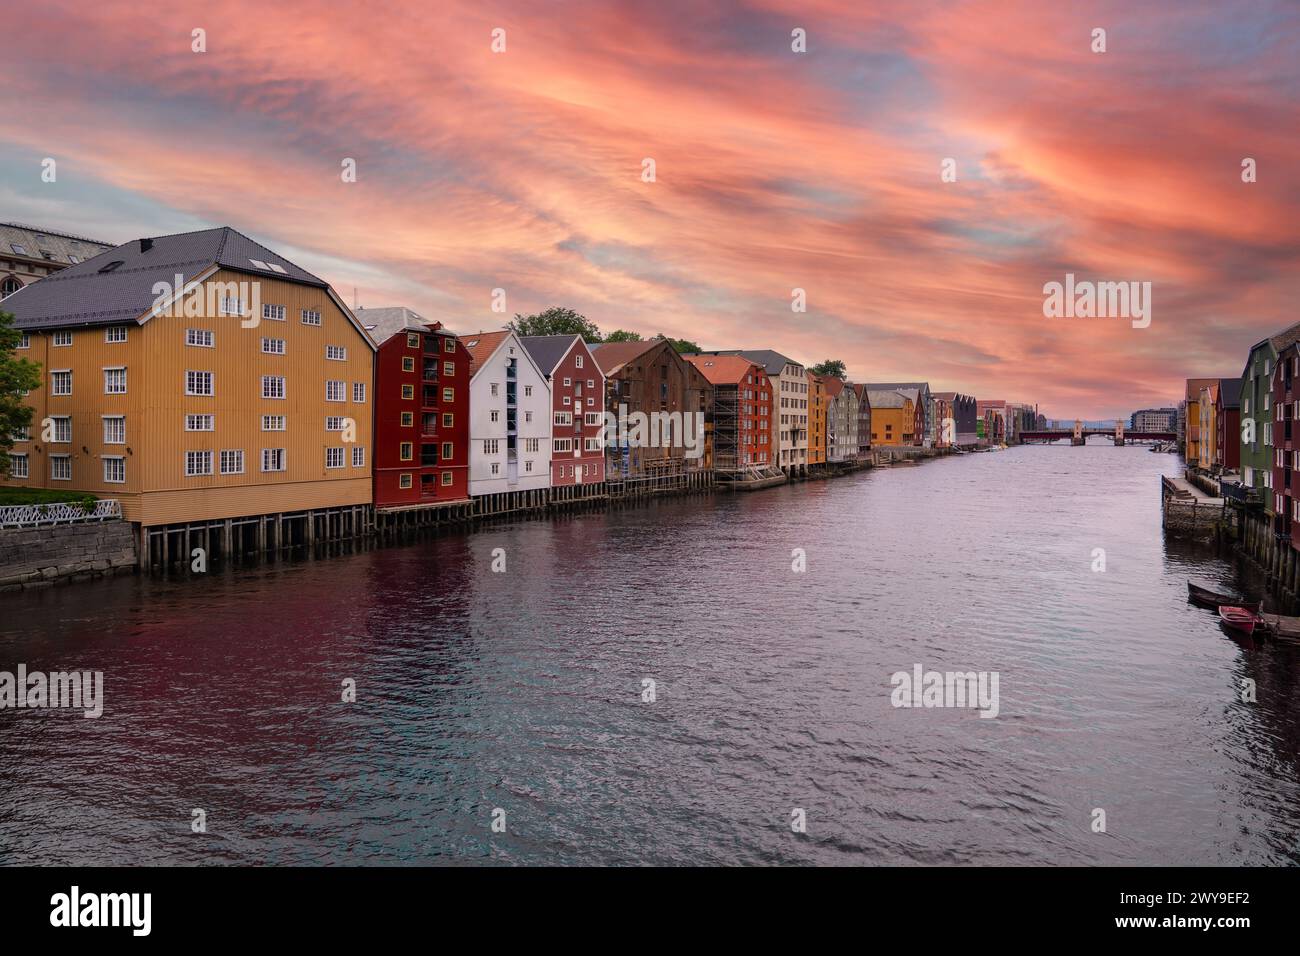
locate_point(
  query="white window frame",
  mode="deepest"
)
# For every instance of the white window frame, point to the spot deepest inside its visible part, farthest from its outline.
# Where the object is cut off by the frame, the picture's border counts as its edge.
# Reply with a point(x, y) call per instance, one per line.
point(196, 422)
point(55, 379)
point(61, 459)
point(283, 421)
point(199, 457)
point(284, 459)
point(311, 317)
point(111, 334)
point(269, 383)
point(237, 455)
point(108, 435)
point(273, 313)
point(211, 383)
point(334, 453)
point(16, 460)
point(336, 353)
point(272, 346)
point(200, 338)
point(114, 391)
point(331, 385)
point(121, 463)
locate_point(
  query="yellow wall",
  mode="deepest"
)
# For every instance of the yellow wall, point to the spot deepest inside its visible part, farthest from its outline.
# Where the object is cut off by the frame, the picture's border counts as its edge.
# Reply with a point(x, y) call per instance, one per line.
point(1209, 430)
point(156, 357)
point(902, 419)
point(816, 420)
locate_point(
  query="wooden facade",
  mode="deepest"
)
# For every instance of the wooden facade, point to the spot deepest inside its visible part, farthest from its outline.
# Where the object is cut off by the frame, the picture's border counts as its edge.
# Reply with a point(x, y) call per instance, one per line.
point(651, 378)
point(135, 437)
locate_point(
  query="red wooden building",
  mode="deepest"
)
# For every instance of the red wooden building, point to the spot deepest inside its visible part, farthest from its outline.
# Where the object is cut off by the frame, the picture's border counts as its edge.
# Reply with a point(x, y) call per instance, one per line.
point(421, 429)
point(577, 406)
point(741, 414)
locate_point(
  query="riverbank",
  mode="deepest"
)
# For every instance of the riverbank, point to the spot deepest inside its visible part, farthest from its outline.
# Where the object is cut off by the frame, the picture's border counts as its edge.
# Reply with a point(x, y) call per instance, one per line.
point(191, 548)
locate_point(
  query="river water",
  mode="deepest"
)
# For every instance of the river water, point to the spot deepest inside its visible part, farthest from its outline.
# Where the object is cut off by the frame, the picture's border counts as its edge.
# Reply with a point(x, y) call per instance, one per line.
point(518, 695)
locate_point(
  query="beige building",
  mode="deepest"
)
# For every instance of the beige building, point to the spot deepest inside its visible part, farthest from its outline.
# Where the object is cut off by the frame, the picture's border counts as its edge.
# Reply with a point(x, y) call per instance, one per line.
point(28, 253)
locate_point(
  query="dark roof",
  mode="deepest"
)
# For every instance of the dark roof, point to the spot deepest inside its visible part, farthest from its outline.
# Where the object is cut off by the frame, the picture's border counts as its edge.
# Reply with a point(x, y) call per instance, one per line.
point(773, 362)
point(547, 350)
point(1230, 392)
point(83, 295)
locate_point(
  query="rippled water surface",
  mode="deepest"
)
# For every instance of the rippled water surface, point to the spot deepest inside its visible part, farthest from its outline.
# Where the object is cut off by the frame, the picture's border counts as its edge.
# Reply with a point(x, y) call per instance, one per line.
point(523, 690)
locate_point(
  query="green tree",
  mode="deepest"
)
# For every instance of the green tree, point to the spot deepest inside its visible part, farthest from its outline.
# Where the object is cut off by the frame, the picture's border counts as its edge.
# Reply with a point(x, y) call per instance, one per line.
point(16, 377)
point(833, 367)
point(681, 345)
point(555, 321)
point(622, 335)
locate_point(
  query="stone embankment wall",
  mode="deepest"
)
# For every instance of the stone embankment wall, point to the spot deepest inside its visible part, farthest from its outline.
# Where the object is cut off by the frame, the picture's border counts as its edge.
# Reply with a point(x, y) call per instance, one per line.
point(40, 557)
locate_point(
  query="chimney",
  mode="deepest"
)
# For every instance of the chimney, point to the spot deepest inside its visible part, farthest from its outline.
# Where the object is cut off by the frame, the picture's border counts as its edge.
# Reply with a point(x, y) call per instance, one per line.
point(146, 245)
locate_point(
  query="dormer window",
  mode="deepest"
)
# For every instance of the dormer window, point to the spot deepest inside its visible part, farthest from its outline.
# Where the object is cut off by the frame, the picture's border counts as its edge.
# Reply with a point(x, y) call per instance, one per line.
point(112, 266)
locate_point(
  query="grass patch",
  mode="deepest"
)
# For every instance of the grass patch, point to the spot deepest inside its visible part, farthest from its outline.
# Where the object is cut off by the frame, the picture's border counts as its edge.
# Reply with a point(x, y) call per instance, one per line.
point(44, 496)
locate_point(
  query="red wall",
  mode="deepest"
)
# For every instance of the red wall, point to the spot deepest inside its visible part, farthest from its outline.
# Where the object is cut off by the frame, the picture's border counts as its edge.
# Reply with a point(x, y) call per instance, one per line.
point(582, 398)
point(390, 433)
point(757, 448)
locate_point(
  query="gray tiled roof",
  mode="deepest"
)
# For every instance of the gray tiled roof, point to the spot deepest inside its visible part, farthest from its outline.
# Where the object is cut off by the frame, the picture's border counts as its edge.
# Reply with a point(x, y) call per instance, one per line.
point(886, 398)
point(47, 246)
point(547, 350)
point(83, 295)
point(383, 324)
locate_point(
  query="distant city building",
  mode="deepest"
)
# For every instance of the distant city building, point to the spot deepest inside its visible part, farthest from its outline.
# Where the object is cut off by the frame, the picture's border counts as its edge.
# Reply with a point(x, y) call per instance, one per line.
point(1154, 420)
point(28, 253)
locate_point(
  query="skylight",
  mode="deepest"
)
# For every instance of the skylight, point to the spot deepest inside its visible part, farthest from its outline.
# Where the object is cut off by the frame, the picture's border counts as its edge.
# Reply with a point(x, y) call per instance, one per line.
point(259, 263)
point(276, 268)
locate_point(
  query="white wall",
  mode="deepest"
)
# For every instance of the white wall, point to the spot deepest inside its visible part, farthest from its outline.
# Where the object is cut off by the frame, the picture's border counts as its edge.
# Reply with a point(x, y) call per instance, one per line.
point(481, 405)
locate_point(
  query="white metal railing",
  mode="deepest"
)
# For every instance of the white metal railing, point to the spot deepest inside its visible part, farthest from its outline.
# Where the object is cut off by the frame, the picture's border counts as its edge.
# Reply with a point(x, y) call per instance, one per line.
point(64, 512)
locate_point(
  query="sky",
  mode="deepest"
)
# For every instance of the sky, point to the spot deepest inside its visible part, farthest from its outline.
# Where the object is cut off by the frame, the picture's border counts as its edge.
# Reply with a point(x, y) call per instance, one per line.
point(774, 170)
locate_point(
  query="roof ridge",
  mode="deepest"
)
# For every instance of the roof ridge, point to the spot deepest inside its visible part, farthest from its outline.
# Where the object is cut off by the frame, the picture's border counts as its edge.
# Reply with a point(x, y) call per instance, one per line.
point(62, 235)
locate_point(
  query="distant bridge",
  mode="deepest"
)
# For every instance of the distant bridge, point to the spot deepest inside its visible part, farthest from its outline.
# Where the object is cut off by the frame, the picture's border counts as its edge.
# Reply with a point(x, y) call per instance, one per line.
point(1079, 435)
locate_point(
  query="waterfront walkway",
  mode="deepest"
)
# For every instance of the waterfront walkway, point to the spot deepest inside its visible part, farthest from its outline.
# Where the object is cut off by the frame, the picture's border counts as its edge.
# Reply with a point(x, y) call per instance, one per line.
point(1182, 485)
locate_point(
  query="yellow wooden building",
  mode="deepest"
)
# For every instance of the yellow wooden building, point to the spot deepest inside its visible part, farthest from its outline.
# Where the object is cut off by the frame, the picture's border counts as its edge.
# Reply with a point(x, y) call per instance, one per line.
point(196, 377)
point(893, 417)
point(816, 419)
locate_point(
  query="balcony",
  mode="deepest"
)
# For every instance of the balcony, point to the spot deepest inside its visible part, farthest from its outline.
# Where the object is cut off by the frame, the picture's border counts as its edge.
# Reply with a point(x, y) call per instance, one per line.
point(430, 397)
point(428, 456)
point(430, 372)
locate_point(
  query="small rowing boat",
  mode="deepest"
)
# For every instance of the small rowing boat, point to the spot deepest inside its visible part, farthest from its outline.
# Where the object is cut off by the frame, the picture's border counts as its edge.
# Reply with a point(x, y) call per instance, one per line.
point(1204, 597)
point(1239, 619)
